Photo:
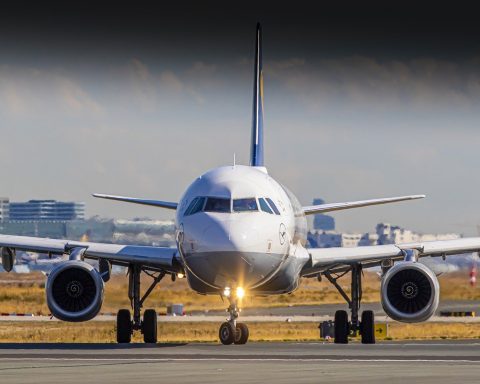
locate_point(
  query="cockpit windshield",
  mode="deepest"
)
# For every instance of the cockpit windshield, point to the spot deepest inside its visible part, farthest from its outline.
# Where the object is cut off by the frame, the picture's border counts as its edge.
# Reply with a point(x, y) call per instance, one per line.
point(225, 205)
point(217, 204)
point(273, 206)
point(195, 206)
point(245, 205)
point(264, 206)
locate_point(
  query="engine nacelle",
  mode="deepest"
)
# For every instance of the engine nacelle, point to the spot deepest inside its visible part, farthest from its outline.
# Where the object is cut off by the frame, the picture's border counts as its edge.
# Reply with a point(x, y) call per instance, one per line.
point(74, 291)
point(410, 292)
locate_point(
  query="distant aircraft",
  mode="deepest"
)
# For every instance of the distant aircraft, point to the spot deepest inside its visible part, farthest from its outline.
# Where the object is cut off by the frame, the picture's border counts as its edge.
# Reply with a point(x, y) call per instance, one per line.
point(238, 231)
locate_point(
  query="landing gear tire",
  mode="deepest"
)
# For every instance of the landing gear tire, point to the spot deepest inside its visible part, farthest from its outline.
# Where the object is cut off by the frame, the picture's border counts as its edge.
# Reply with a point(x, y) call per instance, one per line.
point(368, 327)
point(341, 327)
point(149, 326)
point(241, 334)
point(124, 326)
point(227, 333)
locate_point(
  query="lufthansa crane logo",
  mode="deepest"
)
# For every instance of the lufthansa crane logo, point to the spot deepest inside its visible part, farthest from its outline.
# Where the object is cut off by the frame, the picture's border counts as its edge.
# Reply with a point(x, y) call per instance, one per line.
point(282, 234)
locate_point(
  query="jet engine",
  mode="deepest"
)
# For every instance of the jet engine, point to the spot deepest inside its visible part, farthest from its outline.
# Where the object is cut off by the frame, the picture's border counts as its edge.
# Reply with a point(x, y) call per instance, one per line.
point(410, 292)
point(74, 291)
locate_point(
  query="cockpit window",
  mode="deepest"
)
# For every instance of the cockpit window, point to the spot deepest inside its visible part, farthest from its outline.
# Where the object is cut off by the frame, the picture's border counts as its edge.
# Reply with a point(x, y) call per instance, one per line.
point(264, 206)
point(273, 206)
point(244, 205)
point(216, 204)
point(195, 206)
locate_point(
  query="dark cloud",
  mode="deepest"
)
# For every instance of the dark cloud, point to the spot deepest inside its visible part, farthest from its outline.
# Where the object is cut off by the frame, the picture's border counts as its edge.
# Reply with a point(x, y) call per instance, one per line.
point(93, 32)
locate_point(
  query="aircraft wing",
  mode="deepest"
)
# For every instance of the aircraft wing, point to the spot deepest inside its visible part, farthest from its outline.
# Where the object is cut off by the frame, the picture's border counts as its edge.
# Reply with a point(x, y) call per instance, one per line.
point(312, 209)
point(136, 200)
point(337, 259)
point(163, 258)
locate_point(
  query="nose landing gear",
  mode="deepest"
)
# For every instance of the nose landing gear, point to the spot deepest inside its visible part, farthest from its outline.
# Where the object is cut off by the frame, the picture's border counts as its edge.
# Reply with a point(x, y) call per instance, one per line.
point(232, 332)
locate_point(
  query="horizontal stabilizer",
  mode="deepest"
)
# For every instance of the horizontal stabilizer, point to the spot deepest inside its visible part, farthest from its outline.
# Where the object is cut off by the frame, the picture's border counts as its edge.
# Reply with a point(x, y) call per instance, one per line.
point(312, 209)
point(153, 203)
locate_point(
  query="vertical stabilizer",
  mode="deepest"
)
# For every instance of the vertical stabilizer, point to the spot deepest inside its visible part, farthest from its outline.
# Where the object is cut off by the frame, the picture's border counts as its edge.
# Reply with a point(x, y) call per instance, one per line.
point(256, 149)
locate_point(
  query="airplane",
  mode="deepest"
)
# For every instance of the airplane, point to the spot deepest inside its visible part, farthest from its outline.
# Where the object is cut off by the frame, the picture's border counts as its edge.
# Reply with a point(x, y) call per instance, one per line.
point(238, 232)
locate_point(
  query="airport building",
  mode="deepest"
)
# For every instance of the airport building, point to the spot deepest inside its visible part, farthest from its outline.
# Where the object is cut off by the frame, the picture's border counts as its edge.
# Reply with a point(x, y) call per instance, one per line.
point(393, 234)
point(322, 222)
point(46, 210)
point(385, 233)
point(4, 209)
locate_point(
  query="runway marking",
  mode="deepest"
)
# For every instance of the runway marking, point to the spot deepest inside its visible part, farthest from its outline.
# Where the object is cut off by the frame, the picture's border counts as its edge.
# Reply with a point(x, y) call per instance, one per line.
point(260, 359)
point(392, 344)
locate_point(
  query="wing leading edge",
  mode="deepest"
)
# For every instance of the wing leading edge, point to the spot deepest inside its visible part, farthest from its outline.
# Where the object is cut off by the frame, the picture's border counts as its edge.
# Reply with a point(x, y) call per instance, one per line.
point(134, 200)
point(312, 209)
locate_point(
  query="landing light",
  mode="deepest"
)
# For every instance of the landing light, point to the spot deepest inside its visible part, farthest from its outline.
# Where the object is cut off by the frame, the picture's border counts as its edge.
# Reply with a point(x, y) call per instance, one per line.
point(180, 275)
point(226, 292)
point(240, 292)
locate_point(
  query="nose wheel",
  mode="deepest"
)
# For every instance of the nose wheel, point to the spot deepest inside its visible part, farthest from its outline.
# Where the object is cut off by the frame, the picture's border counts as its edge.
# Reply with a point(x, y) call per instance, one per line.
point(227, 333)
point(233, 334)
point(241, 334)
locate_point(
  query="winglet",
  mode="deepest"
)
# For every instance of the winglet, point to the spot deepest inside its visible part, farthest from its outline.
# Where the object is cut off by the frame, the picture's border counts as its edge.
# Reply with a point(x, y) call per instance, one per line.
point(256, 148)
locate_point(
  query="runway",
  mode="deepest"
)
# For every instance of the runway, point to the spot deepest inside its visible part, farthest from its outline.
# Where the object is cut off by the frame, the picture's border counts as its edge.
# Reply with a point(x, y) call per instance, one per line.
point(424, 362)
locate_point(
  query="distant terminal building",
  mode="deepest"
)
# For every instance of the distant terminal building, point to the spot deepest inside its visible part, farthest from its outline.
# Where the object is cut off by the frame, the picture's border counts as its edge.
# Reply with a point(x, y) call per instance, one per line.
point(385, 233)
point(332, 239)
point(46, 210)
point(393, 234)
point(322, 222)
point(4, 209)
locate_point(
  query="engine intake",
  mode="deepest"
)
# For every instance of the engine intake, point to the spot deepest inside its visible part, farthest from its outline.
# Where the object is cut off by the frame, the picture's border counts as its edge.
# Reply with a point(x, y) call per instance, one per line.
point(410, 292)
point(74, 291)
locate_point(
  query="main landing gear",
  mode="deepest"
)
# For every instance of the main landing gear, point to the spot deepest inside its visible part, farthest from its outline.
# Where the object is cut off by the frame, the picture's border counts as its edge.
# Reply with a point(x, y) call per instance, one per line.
point(344, 328)
point(148, 325)
point(230, 331)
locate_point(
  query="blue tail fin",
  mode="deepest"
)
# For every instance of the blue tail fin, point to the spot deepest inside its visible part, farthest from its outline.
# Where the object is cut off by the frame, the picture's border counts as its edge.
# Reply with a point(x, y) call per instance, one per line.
point(256, 149)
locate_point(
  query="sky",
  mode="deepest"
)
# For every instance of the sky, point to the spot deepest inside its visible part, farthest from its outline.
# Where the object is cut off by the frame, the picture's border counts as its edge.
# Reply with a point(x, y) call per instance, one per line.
point(360, 102)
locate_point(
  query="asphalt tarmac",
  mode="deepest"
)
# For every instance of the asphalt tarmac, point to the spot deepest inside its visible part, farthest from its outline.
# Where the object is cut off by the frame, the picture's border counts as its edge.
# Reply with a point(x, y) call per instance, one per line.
point(414, 362)
point(329, 309)
point(305, 313)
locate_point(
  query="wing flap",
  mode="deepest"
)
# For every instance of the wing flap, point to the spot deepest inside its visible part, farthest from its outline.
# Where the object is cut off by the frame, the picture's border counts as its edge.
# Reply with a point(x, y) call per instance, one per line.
point(312, 209)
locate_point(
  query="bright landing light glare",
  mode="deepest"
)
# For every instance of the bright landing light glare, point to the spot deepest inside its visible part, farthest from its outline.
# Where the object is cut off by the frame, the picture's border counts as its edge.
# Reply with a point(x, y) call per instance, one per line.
point(226, 292)
point(240, 292)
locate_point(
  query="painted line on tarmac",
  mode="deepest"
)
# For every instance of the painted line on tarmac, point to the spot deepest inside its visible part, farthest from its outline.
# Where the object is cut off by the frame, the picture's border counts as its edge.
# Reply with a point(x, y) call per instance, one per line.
point(260, 359)
point(381, 343)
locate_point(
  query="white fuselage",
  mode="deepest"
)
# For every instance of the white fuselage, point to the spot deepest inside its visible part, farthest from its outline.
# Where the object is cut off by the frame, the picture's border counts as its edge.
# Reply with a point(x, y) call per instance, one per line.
point(238, 227)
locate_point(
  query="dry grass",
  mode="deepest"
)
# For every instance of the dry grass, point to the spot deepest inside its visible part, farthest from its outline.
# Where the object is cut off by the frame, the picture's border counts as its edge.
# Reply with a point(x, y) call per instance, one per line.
point(24, 293)
point(104, 332)
point(400, 331)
